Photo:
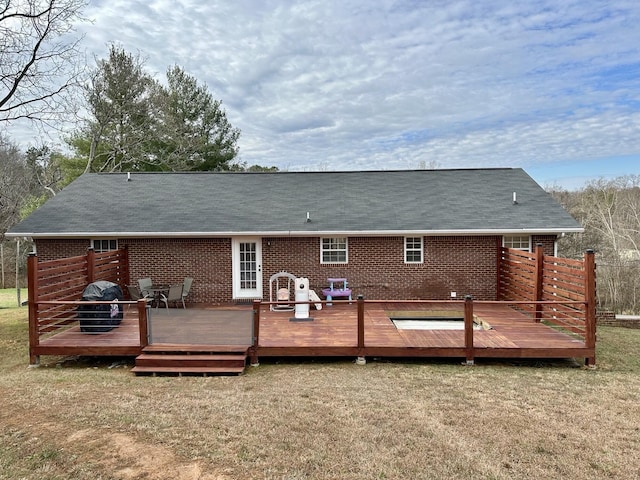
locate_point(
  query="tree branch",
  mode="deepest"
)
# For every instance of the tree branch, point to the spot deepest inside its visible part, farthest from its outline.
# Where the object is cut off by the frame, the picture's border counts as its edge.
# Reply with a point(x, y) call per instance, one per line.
point(29, 70)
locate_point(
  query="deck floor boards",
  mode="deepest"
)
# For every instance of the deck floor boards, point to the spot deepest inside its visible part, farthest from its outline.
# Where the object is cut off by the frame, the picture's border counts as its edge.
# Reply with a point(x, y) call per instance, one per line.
point(332, 328)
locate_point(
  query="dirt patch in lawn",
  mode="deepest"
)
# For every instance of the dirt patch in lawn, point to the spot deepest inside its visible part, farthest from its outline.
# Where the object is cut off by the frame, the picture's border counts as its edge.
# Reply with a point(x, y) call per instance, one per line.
point(118, 455)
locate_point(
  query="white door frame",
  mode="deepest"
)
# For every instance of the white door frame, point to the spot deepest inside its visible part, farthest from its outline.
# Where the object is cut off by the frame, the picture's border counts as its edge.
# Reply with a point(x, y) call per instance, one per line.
point(252, 268)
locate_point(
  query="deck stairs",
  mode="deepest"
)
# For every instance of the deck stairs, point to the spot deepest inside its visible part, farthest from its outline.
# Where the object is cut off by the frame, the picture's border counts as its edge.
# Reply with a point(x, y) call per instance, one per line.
point(173, 359)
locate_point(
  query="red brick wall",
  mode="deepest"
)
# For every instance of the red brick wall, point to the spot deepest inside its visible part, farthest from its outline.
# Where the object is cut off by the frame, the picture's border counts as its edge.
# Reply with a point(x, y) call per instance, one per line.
point(548, 243)
point(169, 261)
point(55, 249)
point(376, 269)
point(609, 319)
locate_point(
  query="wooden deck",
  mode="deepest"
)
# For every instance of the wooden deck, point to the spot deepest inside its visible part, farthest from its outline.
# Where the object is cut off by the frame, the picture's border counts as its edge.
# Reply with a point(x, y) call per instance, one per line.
point(558, 294)
point(122, 340)
point(332, 332)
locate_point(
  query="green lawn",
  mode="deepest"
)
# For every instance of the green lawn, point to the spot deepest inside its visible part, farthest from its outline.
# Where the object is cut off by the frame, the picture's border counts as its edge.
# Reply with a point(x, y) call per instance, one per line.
point(9, 297)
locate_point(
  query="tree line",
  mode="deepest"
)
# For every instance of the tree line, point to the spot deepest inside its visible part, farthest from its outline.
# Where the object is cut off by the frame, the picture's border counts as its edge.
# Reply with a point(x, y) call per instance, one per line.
point(133, 121)
point(609, 210)
point(137, 123)
point(129, 121)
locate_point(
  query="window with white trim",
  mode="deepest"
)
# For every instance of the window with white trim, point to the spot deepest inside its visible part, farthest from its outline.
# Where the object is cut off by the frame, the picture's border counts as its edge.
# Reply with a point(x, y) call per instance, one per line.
point(413, 249)
point(521, 242)
point(104, 245)
point(333, 250)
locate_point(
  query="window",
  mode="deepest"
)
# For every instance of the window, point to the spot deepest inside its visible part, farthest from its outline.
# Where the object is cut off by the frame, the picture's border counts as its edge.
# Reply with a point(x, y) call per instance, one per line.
point(413, 250)
point(333, 250)
point(521, 242)
point(103, 245)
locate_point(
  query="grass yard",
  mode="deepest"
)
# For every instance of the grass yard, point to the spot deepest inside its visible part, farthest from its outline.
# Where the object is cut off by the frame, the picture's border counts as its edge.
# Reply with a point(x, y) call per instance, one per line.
point(86, 418)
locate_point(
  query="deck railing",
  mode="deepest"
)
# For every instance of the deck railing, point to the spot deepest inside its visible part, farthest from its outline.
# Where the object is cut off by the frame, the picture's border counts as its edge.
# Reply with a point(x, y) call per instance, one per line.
point(567, 316)
point(220, 327)
point(55, 286)
point(559, 291)
point(534, 276)
point(56, 317)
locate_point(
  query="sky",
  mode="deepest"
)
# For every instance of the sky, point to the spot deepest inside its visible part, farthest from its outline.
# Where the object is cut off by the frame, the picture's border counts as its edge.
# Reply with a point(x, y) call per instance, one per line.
point(549, 86)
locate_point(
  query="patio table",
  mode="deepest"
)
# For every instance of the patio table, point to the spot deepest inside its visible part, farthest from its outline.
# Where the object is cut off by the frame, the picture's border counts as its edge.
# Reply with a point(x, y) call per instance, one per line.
point(157, 291)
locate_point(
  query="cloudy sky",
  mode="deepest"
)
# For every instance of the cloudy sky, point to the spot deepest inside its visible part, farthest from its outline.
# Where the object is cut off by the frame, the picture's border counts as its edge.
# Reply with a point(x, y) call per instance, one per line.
point(550, 86)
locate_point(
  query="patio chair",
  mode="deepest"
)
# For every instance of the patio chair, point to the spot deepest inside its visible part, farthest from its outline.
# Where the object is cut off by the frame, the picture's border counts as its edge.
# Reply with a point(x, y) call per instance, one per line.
point(145, 284)
point(174, 295)
point(186, 287)
point(135, 294)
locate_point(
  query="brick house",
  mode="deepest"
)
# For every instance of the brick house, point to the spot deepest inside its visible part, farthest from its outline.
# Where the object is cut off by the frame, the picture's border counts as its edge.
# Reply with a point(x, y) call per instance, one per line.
point(427, 234)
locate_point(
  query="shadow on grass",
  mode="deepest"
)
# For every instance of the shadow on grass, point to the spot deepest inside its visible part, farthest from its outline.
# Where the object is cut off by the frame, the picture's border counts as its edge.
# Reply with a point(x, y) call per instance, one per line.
point(445, 361)
point(127, 362)
point(83, 362)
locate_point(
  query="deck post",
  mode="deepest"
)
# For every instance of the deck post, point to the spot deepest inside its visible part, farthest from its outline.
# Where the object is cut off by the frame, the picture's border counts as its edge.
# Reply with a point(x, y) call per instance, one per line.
point(538, 279)
point(360, 303)
point(143, 322)
point(32, 298)
point(590, 307)
point(499, 261)
point(468, 329)
point(253, 351)
point(91, 265)
point(125, 275)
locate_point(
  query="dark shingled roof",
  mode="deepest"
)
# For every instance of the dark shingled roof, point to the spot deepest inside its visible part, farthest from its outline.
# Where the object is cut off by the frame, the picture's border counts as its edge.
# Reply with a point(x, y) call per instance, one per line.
point(469, 201)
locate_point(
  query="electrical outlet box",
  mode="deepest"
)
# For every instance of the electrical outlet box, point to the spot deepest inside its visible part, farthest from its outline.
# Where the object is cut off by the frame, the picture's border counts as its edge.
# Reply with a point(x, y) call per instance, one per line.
point(454, 294)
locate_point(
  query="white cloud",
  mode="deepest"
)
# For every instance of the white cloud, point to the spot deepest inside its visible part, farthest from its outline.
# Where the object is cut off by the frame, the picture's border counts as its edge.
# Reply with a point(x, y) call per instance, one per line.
point(396, 84)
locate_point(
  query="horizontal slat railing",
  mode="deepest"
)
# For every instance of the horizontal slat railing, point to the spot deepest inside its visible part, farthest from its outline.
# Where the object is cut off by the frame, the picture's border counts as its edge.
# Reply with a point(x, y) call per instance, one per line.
point(517, 276)
point(564, 280)
point(111, 266)
point(561, 290)
point(55, 286)
point(568, 316)
point(61, 279)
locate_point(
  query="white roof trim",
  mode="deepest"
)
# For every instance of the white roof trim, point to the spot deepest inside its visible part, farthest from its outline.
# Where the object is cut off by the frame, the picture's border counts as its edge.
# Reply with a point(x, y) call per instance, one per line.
point(304, 233)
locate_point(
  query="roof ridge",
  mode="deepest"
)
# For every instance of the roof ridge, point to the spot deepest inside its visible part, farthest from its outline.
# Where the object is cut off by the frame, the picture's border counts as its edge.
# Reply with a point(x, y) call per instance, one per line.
point(301, 172)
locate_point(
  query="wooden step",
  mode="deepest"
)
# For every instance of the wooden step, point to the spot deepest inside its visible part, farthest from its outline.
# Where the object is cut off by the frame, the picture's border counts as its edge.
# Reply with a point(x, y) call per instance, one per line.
point(190, 360)
point(188, 370)
point(181, 348)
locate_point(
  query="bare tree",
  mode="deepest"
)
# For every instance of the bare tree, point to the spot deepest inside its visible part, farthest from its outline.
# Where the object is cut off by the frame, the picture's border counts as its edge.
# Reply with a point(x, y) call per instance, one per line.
point(14, 187)
point(610, 213)
point(38, 57)
point(14, 184)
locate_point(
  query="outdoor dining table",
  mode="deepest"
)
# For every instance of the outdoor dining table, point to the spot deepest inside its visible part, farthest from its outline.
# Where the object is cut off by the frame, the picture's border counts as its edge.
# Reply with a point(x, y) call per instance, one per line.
point(157, 291)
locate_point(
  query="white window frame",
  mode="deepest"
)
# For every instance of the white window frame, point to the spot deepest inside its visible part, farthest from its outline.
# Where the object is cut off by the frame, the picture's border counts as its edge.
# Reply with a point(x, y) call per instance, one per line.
point(97, 244)
point(333, 243)
point(413, 250)
point(517, 242)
